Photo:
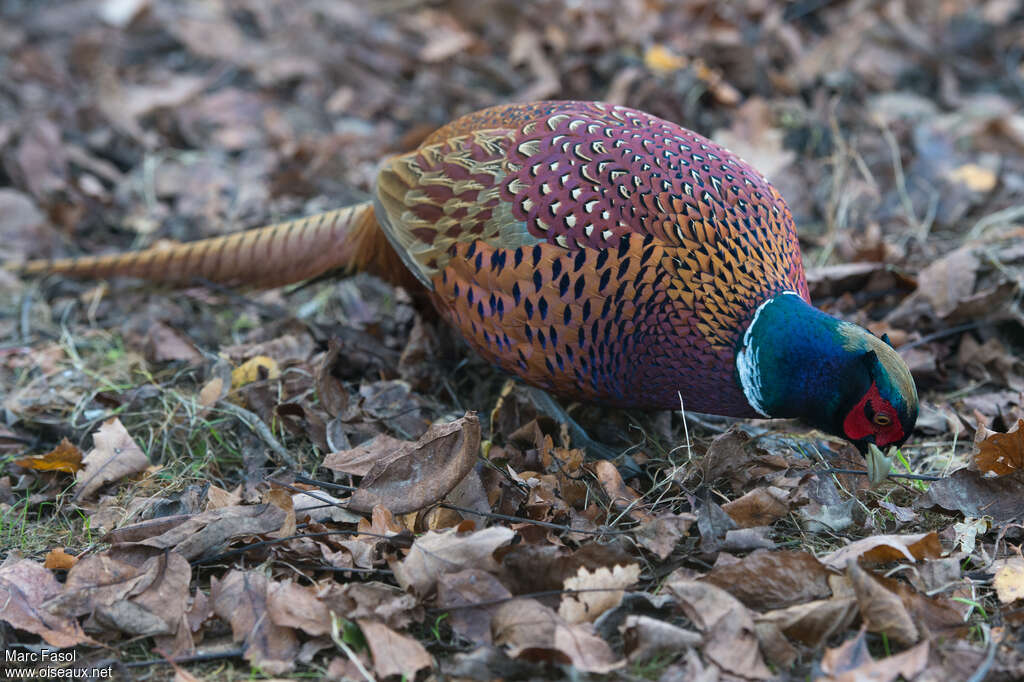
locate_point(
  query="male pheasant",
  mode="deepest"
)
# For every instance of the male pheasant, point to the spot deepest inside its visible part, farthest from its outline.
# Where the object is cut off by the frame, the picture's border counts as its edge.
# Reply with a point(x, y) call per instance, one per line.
point(597, 252)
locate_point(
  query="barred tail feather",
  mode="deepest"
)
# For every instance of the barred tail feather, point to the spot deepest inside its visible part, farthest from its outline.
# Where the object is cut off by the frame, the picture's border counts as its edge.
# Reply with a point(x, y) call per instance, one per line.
point(283, 253)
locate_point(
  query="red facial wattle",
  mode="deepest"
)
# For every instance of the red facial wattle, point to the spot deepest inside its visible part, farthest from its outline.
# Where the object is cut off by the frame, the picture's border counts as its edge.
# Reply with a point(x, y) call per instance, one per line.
point(873, 416)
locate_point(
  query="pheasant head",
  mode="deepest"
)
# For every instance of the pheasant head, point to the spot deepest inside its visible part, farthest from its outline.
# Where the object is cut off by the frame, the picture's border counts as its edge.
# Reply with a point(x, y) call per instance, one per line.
point(797, 361)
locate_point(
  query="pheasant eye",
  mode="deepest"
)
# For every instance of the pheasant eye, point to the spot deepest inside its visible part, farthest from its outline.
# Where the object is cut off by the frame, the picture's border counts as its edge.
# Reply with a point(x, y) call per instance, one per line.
point(882, 419)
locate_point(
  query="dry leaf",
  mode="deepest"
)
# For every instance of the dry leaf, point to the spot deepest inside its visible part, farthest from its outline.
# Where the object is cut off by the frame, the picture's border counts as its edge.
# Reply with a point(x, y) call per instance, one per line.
point(883, 611)
point(240, 598)
point(24, 586)
point(1009, 579)
point(977, 178)
point(886, 548)
point(772, 580)
point(1002, 453)
point(852, 662)
point(298, 606)
point(435, 554)
point(759, 507)
point(58, 560)
point(65, 457)
point(620, 495)
point(114, 456)
point(600, 590)
point(645, 638)
point(423, 473)
point(258, 368)
point(730, 639)
point(472, 597)
point(393, 653)
point(533, 631)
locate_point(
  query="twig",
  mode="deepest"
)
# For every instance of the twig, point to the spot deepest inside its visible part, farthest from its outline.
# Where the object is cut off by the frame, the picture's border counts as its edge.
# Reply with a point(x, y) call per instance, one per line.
point(858, 472)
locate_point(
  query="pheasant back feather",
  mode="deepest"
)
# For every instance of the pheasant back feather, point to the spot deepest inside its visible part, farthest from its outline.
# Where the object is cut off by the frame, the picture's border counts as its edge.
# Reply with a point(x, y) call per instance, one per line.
point(594, 250)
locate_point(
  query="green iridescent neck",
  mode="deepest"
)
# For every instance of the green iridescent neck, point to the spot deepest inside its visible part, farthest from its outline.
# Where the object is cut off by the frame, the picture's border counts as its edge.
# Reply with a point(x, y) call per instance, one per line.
point(796, 361)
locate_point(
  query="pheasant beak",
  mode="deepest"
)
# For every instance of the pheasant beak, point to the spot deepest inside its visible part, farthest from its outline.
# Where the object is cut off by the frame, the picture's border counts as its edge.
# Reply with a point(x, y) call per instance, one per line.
point(879, 465)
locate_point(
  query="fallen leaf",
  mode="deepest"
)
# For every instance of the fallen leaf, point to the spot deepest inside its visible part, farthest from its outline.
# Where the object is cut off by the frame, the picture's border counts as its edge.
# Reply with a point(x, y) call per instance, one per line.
point(977, 178)
point(24, 586)
point(852, 662)
point(645, 638)
point(730, 637)
point(194, 536)
point(358, 461)
point(259, 368)
point(297, 606)
point(974, 495)
point(620, 495)
point(599, 591)
point(1009, 579)
point(771, 580)
point(65, 457)
point(883, 611)
point(471, 597)
point(435, 554)
point(661, 59)
point(759, 507)
point(114, 456)
point(393, 653)
point(662, 533)
point(423, 473)
point(240, 599)
point(886, 548)
point(814, 622)
point(536, 633)
point(1002, 453)
point(166, 344)
point(58, 560)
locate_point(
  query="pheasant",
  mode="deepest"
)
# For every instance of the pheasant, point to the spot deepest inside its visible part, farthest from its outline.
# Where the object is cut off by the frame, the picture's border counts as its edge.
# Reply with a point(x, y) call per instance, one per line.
point(596, 252)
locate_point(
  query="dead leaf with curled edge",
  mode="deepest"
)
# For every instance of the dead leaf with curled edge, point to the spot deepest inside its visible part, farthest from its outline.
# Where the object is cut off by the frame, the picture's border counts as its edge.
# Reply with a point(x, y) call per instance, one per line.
point(1009, 579)
point(65, 457)
point(421, 473)
point(113, 457)
point(1001, 453)
point(886, 548)
point(596, 592)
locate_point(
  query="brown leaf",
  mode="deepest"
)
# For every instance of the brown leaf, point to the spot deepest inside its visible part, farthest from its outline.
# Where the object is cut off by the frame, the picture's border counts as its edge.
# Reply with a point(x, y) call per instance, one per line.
point(534, 632)
point(645, 638)
point(434, 554)
point(393, 653)
point(973, 494)
point(194, 536)
point(759, 507)
point(240, 598)
point(58, 560)
point(330, 390)
point(360, 460)
point(815, 622)
point(662, 533)
point(298, 606)
point(883, 611)
point(282, 499)
point(472, 597)
point(599, 591)
point(95, 581)
point(65, 457)
point(620, 495)
point(887, 548)
point(730, 638)
point(424, 473)
point(114, 456)
point(166, 344)
point(374, 601)
point(772, 580)
point(1002, 453)
point(852, 662)
point(24, 586)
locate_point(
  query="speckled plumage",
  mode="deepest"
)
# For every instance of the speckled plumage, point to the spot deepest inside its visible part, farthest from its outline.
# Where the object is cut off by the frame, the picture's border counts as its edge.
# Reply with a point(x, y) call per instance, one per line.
point(594, 250)
point(597, 252)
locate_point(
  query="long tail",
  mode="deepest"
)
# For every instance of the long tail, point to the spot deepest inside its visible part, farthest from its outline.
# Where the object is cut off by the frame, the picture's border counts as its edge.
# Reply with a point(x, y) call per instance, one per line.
point(345, 239)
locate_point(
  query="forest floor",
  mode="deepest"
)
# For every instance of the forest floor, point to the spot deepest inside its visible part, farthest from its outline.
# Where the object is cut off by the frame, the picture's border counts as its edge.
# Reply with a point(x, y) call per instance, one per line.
point(191, 482)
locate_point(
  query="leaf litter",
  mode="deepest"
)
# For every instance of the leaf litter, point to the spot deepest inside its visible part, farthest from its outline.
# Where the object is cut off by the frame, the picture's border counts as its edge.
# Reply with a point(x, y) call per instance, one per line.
point(148, 508)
